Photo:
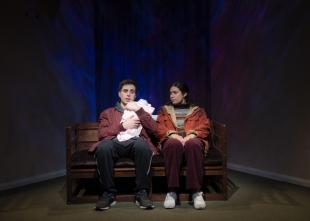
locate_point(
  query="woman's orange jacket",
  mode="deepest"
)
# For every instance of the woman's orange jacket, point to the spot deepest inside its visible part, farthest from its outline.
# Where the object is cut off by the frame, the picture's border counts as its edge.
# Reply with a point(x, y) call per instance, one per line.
point(196, 122)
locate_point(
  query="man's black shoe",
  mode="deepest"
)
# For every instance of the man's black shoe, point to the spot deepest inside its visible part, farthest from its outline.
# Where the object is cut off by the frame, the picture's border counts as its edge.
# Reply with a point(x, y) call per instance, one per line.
point(143, 201)
point(105, 201)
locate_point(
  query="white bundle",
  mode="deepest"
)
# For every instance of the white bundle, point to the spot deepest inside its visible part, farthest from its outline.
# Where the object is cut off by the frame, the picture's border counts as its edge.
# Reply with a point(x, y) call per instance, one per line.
point(135, 132)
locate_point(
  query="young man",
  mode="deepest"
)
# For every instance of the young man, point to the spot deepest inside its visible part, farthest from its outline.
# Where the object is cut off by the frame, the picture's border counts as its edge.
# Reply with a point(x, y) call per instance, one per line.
point(140, 149)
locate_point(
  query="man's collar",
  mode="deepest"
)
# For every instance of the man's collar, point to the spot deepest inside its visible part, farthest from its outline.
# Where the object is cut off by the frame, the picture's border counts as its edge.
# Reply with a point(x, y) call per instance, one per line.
point(119, 107)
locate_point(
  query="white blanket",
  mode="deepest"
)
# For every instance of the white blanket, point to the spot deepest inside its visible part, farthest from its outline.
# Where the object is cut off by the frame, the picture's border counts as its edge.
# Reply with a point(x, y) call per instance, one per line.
point(130, 133)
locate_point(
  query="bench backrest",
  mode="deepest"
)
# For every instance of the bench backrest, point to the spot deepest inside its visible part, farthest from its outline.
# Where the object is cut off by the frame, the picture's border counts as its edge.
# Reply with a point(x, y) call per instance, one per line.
point(82, 136)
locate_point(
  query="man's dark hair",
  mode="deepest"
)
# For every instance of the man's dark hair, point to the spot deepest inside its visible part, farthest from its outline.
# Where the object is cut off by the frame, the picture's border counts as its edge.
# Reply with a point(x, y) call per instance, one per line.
point(125, 82)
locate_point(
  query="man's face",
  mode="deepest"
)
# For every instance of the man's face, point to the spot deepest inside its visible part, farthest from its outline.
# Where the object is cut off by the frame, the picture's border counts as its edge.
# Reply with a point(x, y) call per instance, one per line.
point(127, 93)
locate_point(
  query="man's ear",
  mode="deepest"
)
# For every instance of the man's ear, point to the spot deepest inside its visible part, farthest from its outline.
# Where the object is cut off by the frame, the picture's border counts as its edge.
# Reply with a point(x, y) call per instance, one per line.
point(185, 94)
point(119, 94)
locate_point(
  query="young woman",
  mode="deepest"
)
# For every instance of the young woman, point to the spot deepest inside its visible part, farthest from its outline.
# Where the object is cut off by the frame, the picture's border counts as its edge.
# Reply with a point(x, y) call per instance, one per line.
point(183, 130)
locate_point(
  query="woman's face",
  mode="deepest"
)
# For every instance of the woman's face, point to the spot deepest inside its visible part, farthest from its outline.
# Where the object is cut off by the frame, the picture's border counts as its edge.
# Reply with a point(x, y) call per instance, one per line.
point(176, 96)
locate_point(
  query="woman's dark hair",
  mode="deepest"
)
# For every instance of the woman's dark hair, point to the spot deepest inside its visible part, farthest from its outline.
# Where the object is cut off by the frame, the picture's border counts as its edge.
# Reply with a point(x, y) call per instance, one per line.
point(183, 88)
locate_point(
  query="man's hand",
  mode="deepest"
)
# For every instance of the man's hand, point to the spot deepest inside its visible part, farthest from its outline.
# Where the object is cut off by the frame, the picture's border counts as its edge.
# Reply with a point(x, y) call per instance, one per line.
point(132, 106)
point(178, 137)
point(131, 123)
point(188, 137)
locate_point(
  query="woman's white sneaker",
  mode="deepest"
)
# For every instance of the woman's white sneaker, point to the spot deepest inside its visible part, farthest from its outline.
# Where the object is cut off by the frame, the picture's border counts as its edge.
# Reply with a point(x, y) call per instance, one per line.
point(199, 202)
point(170, 200)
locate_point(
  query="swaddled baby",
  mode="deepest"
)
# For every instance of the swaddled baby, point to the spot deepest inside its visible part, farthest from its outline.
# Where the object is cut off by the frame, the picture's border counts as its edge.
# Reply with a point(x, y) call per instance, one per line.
point(134, 132)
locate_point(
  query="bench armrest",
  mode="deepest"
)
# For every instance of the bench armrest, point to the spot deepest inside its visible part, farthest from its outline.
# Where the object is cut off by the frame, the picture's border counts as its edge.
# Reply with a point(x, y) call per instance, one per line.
point(70, 143)
point(218, 138)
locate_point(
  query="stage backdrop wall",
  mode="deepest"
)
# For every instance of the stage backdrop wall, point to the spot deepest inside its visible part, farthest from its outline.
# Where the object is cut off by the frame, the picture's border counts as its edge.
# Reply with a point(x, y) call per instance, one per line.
point(154, 43)
point(47, 82)
point(260, 75)
point(61, 62)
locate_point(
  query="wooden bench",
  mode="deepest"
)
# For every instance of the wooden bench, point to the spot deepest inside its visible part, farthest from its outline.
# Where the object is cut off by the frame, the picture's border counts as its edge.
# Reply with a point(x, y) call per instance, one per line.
point(81, 167)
